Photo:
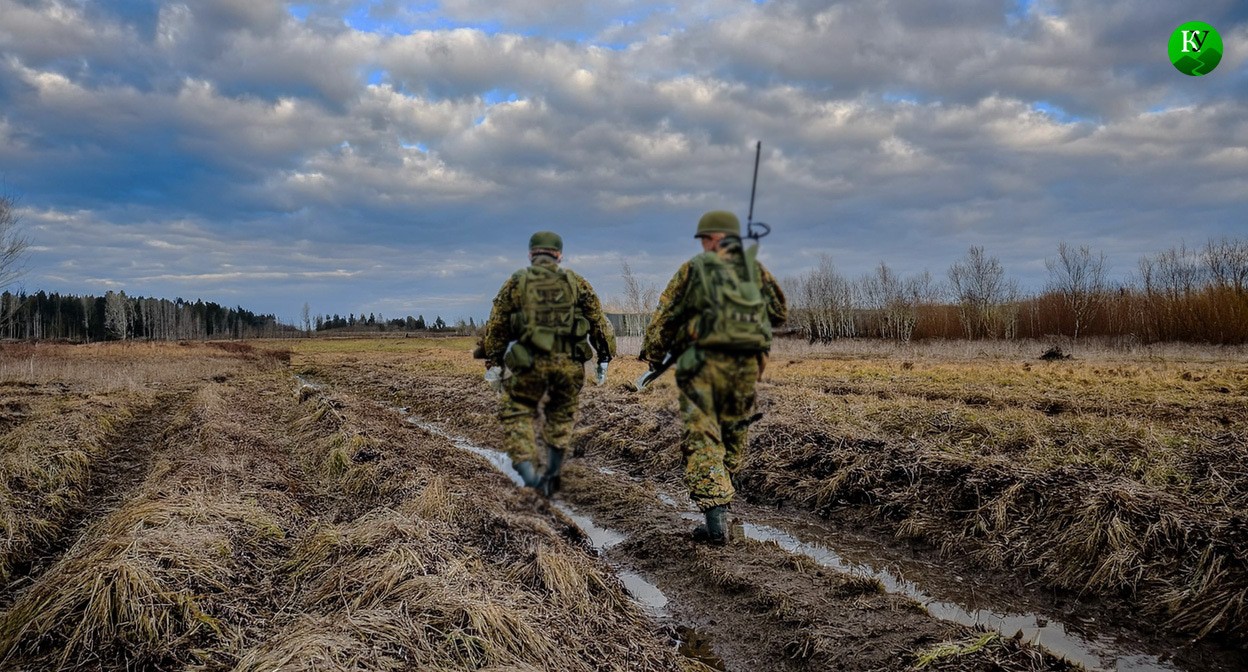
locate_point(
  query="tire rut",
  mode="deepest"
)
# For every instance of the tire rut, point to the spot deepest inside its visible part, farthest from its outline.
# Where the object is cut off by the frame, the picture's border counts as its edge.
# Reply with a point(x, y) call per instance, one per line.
point(111, 480)
point(757, 606)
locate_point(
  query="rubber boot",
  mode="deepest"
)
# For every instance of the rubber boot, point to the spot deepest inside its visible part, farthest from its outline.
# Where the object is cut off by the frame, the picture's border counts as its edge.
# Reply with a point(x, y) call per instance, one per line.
point(527, 473)
point(715, 530)
point(549, 484)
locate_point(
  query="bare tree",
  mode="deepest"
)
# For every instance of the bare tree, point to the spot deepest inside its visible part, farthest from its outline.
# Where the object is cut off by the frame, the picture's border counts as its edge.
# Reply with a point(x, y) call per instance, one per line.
point(637, 298)
point(987, 302)
point(307, 318)
point(13, 244)
point(639, 302)
point(893, 301)
point(1080, 278)
point(1227, 263)
point(118, 314)
point(823, 303)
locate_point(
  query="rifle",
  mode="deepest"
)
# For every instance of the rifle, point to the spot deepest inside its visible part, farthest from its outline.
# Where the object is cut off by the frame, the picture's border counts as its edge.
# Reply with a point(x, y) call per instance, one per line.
point(655, 371)
point(749, 220)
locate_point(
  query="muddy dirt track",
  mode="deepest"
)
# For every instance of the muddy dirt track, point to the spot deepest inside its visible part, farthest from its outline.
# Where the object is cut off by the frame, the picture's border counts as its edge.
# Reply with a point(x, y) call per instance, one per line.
point(759, 605)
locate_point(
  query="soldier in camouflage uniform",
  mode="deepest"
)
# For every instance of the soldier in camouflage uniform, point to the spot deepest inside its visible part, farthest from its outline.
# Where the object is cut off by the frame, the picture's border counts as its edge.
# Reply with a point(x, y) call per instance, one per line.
point(716, 373)
point(542, 327)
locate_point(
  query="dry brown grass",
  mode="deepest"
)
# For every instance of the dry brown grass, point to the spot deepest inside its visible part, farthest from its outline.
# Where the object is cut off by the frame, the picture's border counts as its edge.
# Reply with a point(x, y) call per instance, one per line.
point(133, 366)
point(63, 409)
point(168, 578)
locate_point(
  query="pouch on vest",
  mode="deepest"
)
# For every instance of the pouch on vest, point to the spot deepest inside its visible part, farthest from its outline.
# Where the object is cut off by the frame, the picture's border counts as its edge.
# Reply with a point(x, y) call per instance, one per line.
point(518, 358)
point(581, 350)
point(689, 363)
point(542, 339)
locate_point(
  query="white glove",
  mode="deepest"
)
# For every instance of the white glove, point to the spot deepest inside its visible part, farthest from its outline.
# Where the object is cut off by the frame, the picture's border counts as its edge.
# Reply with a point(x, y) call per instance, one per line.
point(494, 376)
point(600, 375)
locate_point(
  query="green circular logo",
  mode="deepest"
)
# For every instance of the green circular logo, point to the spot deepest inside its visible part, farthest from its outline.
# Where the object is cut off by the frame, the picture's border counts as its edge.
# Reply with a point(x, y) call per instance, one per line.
point(1195, 48)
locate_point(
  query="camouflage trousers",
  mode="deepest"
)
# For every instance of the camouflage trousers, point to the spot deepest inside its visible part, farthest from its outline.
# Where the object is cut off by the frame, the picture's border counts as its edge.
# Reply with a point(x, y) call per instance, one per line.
point(557, 377)
point(716, 397)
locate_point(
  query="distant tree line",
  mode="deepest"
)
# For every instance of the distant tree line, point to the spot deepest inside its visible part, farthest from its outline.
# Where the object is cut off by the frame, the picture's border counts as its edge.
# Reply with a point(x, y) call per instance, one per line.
point(116, 316)
point(1181, 294)
point(373, 322)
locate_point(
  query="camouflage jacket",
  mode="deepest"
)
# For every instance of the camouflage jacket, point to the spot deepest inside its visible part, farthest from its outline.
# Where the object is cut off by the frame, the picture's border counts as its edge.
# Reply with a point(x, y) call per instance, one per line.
point(668, 326)
point(498, 330)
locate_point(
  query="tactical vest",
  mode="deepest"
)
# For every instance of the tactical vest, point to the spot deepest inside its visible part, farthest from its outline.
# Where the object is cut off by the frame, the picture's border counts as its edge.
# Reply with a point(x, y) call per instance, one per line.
point(548, 320)
point(728, 299)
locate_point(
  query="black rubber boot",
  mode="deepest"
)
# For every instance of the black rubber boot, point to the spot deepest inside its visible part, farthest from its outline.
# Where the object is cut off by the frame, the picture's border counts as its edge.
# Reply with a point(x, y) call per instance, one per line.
point(527, 473)
point(549, 484)
point(715, 530)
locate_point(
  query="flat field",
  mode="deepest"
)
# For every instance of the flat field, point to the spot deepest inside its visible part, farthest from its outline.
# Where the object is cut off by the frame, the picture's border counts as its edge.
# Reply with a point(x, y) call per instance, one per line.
point(339, 504)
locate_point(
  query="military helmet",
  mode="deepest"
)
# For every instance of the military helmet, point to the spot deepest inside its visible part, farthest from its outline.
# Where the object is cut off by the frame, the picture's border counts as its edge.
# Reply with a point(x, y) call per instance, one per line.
point(546, 240)
point(718, 221)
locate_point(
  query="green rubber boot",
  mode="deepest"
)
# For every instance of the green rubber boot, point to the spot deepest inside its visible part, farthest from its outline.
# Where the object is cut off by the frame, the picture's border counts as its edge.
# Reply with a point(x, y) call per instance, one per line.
point(549, 484)
point(527, 473)
point(715, 530)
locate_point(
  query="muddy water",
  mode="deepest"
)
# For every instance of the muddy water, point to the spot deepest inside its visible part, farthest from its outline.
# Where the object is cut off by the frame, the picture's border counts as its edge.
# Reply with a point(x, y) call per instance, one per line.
point(498, 459)
point(831, 551)
point(1094, 653)
point(601, 538)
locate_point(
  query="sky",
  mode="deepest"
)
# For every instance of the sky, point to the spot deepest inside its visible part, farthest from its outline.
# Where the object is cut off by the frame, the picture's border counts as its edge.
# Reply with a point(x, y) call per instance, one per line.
point(394, 157)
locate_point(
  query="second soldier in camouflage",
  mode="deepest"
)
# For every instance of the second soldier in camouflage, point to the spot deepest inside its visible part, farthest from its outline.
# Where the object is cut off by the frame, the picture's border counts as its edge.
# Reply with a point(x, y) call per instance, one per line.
point(716, 317)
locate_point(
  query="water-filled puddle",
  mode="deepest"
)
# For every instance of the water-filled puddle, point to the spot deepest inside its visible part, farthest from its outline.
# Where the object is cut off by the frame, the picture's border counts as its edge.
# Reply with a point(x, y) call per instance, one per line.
point(1095, 654)
point(645, 593)
point(600, 538)
point(497, 458)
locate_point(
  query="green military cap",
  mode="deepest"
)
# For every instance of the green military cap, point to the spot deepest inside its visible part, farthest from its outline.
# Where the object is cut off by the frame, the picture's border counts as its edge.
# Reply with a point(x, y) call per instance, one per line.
point(718, 221)
point(546, 240)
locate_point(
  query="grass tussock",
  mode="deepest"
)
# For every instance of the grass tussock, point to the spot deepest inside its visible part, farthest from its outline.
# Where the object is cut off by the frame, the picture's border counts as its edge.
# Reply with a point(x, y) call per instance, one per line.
point(988, 651)
point(150, 584)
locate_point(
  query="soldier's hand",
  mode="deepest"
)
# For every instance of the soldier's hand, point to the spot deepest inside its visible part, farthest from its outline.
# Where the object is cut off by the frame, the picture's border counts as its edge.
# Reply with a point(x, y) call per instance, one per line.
point(494, 376)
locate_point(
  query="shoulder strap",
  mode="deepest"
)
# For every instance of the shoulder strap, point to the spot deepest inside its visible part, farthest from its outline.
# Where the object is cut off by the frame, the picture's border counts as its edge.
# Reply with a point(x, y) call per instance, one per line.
point(522, 283)
point(704, 284)
point(574, 281)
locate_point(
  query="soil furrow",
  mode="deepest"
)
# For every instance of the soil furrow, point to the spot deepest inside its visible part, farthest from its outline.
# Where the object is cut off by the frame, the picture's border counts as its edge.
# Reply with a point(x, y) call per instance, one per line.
point(760, 606)
point(123, 464)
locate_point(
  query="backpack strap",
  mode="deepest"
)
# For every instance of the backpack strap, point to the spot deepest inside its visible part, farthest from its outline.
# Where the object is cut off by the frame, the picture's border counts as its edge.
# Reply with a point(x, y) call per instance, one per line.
point(573, 281)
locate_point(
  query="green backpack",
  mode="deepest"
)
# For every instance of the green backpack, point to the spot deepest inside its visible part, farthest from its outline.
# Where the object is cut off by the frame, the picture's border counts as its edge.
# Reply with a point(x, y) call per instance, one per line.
point(548, 320)
point(732, 313)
